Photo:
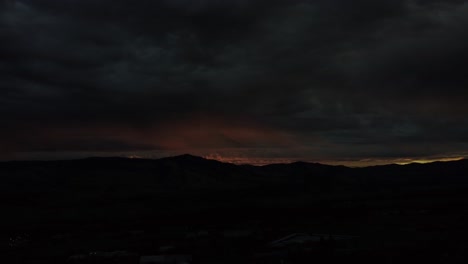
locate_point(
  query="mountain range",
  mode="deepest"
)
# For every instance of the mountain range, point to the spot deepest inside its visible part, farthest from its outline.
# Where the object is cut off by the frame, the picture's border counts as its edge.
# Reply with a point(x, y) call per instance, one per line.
point(121, 190)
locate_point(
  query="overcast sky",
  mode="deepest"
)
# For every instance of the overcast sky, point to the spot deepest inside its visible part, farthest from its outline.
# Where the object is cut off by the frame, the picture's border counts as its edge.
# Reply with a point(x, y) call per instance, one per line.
point(246, 81)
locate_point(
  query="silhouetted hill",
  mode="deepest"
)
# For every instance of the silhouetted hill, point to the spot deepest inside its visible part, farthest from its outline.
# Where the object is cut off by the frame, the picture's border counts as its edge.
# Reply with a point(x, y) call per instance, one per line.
point(187, 172)
point(121, 190)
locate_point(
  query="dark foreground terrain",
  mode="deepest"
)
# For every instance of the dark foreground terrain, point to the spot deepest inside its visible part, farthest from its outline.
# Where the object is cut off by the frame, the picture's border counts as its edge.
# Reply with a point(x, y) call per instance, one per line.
point(188, 209)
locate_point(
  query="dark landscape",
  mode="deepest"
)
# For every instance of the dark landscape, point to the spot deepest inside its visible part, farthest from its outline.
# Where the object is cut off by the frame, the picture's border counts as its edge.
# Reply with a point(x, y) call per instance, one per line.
point(204, 211)
point(319, 131)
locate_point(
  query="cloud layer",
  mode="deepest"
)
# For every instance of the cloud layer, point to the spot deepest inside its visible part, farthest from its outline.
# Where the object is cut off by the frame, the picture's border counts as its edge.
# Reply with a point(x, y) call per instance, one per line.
point(314, 80)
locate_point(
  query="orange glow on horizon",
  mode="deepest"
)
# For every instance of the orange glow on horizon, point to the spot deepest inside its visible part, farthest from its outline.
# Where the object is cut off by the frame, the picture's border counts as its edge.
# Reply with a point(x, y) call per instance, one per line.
point(349, 163)
point(429, 160)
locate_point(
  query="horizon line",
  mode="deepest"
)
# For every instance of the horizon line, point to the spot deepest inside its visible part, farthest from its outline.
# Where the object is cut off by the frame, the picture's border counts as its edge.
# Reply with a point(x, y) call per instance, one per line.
point(346, 163)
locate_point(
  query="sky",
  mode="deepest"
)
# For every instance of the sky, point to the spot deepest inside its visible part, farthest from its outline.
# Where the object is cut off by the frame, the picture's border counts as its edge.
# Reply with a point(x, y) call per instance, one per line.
point(243, 81)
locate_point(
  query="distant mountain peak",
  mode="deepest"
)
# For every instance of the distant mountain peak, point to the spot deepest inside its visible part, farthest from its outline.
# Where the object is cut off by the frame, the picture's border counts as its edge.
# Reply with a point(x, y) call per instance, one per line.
point(188, 156)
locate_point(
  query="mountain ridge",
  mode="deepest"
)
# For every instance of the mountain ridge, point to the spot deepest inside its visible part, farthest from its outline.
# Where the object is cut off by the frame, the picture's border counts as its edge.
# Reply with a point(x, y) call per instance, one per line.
point(190, 157)
point(126, 188)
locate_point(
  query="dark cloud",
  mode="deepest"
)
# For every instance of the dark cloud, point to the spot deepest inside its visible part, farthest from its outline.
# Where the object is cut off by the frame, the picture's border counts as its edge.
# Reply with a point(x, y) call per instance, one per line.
point(306, 79)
